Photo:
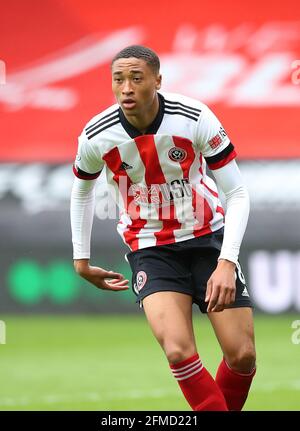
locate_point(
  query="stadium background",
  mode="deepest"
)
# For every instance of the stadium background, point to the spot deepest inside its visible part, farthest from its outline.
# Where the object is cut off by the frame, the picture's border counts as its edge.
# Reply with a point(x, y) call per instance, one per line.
point(240, 60)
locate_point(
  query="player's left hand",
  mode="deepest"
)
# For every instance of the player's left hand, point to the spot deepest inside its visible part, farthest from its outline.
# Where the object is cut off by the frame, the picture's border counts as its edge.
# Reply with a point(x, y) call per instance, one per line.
point(221, 286)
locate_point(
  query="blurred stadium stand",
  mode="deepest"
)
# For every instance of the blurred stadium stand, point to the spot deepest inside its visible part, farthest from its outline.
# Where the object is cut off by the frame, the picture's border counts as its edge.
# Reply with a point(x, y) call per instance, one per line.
point(243, 64)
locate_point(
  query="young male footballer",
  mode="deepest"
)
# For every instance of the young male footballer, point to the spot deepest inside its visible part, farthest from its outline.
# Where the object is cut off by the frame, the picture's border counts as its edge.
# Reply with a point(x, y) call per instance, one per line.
point(154, 147)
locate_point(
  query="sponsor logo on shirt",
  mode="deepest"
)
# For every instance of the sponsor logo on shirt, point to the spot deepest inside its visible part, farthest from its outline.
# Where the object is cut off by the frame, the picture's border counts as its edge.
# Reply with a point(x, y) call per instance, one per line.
point(158, 194)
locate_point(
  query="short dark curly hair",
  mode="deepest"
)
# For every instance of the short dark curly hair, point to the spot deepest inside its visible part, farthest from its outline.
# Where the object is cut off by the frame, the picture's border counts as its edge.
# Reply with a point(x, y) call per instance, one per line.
point(142, 52)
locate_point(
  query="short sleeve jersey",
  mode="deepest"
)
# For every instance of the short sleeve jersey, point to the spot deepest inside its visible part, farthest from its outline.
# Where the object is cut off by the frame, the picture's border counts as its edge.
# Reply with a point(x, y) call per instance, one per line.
point(158, 178)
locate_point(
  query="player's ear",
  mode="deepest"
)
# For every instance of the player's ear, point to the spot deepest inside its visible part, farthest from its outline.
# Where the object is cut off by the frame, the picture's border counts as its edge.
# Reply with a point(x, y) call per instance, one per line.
point(158, 82)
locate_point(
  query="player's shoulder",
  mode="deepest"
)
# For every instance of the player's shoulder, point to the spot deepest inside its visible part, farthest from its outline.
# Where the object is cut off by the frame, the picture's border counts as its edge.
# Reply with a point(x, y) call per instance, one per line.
point(176, 99)
point(104, 120)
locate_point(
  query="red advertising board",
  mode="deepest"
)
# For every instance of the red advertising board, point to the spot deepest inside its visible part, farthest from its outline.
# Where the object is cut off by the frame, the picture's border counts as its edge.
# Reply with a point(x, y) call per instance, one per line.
point(242, 59)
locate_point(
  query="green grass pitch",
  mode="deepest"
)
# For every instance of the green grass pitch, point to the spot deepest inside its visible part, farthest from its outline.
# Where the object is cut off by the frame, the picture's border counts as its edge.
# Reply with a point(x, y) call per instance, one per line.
point(112, 362)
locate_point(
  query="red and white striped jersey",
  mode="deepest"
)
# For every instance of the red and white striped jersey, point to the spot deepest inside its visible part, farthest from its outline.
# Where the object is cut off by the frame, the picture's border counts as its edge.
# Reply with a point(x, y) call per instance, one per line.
point(159, 179)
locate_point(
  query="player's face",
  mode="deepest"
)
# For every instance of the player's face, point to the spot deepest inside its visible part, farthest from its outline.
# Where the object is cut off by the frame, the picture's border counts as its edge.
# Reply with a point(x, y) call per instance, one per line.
point(134, 84)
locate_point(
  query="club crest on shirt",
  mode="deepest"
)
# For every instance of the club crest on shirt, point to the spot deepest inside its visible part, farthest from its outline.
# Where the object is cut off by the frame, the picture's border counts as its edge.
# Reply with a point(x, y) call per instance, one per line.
point(141, 279)
point(177, 154)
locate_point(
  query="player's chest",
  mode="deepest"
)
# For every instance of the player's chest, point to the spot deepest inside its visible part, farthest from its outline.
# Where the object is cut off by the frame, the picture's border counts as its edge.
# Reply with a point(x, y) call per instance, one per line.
point(151, 158)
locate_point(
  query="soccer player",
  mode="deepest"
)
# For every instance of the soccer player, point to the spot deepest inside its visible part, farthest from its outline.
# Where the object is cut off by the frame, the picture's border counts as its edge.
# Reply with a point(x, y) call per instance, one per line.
point(155, 147)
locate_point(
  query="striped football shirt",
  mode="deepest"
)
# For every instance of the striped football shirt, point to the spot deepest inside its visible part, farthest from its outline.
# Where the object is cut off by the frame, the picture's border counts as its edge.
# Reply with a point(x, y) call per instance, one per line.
point(158, 178)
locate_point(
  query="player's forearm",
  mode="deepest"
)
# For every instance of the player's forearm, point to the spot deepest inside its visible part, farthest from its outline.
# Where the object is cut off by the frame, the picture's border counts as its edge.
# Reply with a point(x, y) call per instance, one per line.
point(81, 265)
point(237, 210)
point(82, 213)
point(236, 218)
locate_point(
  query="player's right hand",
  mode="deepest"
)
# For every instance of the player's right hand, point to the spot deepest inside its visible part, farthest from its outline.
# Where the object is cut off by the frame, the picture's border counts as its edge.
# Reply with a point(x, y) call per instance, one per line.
point(99, 277)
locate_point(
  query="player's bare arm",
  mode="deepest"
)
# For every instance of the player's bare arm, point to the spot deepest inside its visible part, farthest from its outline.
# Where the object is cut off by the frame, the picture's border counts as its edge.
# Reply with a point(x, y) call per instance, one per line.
point(99, 277)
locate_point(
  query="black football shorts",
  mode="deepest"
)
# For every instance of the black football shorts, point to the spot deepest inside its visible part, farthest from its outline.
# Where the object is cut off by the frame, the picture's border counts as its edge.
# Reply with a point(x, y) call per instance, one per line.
point(184, 267)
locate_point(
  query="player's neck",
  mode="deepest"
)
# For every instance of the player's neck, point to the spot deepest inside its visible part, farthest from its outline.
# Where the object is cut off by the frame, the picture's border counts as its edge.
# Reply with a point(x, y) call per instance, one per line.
point(143, 120)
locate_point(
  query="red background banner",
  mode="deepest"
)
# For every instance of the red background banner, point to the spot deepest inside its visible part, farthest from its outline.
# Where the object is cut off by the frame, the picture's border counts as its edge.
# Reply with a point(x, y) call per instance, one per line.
point(243, 60)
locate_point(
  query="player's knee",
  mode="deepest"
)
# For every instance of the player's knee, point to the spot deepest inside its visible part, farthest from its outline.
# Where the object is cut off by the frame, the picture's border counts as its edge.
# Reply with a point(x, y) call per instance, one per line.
point(243, 360)
point(176, 353)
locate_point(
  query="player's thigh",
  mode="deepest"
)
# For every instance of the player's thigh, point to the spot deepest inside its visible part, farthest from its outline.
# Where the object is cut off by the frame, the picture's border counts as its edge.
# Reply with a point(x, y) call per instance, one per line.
point(234, 329)
point(170, 317)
